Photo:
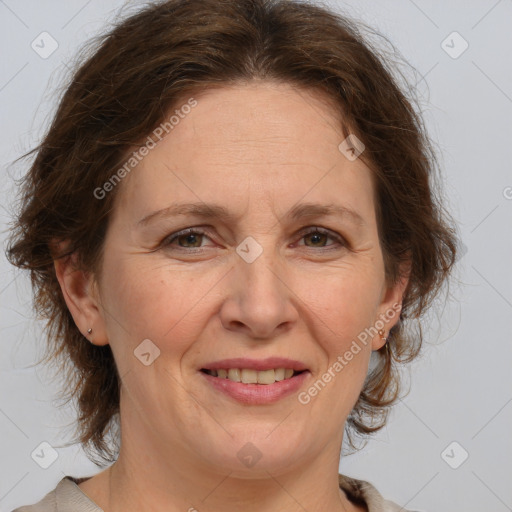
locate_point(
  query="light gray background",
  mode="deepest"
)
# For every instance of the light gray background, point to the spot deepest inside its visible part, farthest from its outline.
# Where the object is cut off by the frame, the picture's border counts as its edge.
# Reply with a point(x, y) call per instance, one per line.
point(460, 388)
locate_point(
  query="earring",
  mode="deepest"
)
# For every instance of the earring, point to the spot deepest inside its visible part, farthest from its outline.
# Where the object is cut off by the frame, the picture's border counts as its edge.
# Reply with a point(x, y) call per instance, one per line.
point(381, 334)
point(89, 330)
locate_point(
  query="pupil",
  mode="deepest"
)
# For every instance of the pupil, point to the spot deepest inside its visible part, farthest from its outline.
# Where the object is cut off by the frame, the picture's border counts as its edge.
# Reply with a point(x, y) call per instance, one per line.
point(315, 237)
point(190, 238)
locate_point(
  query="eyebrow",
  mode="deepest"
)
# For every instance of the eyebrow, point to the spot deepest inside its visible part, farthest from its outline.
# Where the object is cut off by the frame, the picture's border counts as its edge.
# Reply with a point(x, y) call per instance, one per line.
point(204, 210)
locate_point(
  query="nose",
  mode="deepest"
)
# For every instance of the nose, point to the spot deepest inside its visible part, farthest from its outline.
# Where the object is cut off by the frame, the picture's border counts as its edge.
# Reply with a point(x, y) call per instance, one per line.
point(259, 302)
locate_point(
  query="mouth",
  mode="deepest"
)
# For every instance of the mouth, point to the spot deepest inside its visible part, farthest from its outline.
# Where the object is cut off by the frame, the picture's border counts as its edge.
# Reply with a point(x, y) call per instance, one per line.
point(255, 387)
point(250, 376)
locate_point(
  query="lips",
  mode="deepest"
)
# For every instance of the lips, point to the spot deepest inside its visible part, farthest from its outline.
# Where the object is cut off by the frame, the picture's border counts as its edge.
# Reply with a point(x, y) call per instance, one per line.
point(256, 381)
point(270, 363)
point(257, 394)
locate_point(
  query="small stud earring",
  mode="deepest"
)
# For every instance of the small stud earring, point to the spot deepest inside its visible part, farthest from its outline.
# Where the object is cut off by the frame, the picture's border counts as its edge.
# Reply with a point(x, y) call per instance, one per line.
point(381, 334)
point(89, 330)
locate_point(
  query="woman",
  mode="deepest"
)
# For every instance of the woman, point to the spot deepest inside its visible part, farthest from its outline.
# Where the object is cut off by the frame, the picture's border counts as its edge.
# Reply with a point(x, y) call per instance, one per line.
point(232, 210)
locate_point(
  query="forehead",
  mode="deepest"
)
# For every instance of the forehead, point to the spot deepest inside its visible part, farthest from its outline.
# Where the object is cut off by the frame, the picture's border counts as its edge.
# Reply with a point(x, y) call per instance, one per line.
point(263, 141)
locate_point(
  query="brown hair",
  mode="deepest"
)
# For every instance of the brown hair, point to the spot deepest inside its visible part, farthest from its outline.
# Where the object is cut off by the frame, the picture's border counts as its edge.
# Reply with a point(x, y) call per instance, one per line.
point(124, 89)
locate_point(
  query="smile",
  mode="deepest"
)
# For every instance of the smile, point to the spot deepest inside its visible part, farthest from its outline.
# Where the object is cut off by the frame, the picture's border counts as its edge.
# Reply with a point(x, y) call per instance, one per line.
point(249, 376)
point(249, 390)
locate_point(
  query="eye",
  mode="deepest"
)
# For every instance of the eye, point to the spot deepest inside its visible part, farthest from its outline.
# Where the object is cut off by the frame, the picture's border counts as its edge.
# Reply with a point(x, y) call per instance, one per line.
point(191, 236)
point(319, 235)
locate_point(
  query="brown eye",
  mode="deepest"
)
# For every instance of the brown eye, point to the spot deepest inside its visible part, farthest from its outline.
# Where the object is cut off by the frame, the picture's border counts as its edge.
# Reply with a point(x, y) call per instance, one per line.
point(318, 238)
point(190, 238)
point(187, 239)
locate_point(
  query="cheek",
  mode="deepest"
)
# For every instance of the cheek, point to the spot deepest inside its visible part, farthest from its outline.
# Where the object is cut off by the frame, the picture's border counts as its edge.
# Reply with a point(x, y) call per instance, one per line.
point(148, 300)
point(341, 309)
point(344, 300)
point(341, 314)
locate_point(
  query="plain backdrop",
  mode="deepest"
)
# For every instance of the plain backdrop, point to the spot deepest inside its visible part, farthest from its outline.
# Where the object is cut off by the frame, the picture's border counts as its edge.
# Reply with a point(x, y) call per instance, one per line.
point(447, 445)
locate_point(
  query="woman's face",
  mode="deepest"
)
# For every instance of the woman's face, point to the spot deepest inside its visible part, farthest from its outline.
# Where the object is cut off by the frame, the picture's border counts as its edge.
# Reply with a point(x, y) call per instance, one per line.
point(257, 283)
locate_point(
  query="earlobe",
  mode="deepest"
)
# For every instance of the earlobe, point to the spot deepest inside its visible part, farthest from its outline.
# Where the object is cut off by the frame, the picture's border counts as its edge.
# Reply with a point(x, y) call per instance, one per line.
point(386, 320)
point(78, 288)
point(390, 307)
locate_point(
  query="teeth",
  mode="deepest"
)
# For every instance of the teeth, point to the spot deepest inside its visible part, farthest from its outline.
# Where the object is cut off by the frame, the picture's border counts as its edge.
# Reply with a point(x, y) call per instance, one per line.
point(234, 375)
point(250, 376)
point(253, 376)
point(266, 377)
point(279, 374)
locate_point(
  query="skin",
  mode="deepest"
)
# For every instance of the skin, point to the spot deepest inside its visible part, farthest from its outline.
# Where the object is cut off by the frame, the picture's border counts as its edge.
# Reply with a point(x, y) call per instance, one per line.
point(258, 150)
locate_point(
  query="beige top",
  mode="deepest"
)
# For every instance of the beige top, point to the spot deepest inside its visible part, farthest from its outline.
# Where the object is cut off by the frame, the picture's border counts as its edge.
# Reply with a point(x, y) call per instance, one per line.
point(68, 497)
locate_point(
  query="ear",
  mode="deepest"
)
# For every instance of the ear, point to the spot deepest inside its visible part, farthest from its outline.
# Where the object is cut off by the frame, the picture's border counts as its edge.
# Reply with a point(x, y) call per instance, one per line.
point(390, 306)
point(80, 292)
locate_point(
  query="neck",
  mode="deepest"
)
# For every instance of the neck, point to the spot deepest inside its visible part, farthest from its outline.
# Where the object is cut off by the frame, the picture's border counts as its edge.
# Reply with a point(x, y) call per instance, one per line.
point(170, 492)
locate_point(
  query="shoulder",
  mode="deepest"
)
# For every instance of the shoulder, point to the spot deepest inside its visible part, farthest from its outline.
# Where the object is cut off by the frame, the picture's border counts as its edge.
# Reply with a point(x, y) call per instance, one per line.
point(363, 492)
point(66, 497)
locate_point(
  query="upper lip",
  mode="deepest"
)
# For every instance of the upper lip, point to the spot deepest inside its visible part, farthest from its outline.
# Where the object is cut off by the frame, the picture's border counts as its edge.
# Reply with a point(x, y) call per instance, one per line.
point(269, 363)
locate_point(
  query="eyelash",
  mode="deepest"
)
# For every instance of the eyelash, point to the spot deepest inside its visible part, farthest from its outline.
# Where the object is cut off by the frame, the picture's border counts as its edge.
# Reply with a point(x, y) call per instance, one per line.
point(303, 233)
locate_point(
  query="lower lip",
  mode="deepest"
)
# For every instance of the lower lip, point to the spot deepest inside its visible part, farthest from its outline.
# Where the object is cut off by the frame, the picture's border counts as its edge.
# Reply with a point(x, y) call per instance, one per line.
point(257, 394)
